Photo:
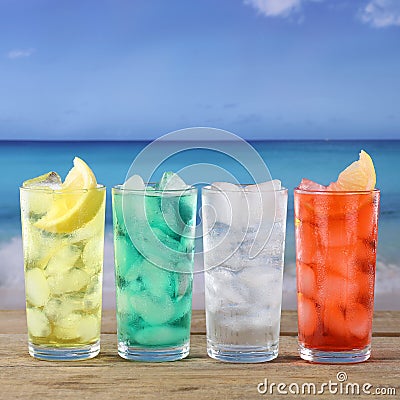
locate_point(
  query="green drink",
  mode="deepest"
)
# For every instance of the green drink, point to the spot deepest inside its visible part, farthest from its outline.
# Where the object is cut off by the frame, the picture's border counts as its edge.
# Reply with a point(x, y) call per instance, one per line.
point(154, 244)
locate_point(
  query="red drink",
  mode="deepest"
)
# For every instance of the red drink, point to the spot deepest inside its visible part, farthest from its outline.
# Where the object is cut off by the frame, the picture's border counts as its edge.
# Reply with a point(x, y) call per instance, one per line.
point(336, 238)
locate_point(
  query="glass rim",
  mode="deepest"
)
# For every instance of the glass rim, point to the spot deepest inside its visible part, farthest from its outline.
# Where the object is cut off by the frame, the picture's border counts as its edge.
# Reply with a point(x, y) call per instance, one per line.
point(44, 189)
point(242, 188)
point(336, 192)
point(121, 189)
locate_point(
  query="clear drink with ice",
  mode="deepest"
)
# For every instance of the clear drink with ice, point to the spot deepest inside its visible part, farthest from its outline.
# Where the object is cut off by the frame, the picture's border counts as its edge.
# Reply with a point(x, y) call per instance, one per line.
point(244, 236)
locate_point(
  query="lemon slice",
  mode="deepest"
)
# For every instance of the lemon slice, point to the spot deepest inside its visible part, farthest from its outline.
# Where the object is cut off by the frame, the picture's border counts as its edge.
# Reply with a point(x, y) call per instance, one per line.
point(76, 203)
point(79, 177)
point(358, 176)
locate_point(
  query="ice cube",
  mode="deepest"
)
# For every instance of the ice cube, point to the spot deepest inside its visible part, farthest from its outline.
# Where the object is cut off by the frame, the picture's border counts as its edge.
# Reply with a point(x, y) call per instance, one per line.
point(38, 324)
point(158, 247)
point(89, 328)
point(187, 208)
point(92, 255)
point(94, 228)
point(161, 335)
point(67, 328)
point(130, 209)
point(128, 258)
point(135, 182)
point(182, 307)
point(307, 282)
point(275, 184)
point(265, 205)
point(308, 317)
point(74, 326)
point(163, 213)
point(38, 201)
point(172, 181)
point(60, 308)
point(307, 184)
point(222, 287)
point(38, 247)
point(123, 301)
point(92, 298)
point(339, 233)
point(188, 238)
point(166, 240)
point(225, 186)
point(171, 222)
point(264, 285)
point(183, 283)
point(51, 180)
point(73, 281)
point(37, 288)
point(229, 203)
point(334, 322)
point(358, 320)
point(155, 279)
point(63, 260)
point(185, 266)
point(337, 289)
point(132, 274)
point(152, 311)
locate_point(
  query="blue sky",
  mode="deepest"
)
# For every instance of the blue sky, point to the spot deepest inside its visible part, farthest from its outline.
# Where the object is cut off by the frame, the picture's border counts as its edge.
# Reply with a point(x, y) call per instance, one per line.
point(264, 69)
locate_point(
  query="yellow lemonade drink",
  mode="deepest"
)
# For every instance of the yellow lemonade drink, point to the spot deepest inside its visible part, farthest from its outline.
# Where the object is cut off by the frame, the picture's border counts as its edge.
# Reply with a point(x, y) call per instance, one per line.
point(63, 238)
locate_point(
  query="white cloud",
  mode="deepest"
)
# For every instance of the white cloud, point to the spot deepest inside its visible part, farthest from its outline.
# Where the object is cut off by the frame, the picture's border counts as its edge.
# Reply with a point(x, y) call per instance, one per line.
point(20, 53)
point(278, 8)
point(275, 8)
point(381, 13)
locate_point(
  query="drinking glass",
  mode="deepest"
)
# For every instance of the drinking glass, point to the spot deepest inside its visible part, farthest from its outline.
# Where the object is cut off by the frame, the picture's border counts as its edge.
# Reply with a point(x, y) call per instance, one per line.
point(244, 239)
point(336, 239)
point(63, 262)
point(154, 249)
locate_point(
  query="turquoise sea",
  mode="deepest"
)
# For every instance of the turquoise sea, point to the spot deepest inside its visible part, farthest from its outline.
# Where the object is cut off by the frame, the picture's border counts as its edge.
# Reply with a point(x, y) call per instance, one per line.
point(288, 161)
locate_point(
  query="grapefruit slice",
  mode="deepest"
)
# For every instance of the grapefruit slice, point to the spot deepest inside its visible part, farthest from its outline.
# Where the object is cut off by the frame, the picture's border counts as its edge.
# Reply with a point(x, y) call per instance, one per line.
point(358, 176)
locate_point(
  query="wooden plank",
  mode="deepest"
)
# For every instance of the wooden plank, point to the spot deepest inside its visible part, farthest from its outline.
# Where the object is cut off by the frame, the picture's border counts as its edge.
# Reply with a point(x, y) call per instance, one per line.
point(386, 323)
point(198, 377)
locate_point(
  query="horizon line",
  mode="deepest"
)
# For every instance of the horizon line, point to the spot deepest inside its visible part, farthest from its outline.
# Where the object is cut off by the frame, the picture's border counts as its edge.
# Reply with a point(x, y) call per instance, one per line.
point(198, 140)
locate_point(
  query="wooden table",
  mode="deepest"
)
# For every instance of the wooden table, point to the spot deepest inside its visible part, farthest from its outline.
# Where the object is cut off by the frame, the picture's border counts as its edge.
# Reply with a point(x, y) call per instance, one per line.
point(198, 377)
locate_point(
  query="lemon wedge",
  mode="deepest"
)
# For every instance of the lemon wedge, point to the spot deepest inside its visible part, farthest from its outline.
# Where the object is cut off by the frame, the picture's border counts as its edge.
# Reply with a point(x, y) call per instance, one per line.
point(76, 203)
point(79, 177)
point(358, 176)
